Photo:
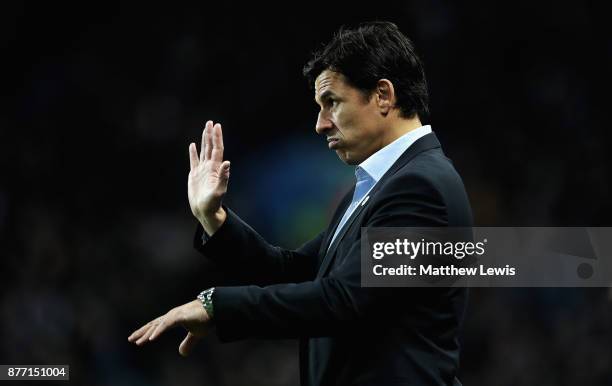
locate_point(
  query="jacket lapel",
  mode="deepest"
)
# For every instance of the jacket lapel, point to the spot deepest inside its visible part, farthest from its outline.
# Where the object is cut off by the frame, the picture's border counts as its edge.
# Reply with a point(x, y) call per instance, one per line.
point(332, 249)
point(427, 142)
point(344, 204)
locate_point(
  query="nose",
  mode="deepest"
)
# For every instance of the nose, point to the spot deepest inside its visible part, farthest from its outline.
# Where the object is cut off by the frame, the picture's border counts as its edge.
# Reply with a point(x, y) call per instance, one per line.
point(324, 124)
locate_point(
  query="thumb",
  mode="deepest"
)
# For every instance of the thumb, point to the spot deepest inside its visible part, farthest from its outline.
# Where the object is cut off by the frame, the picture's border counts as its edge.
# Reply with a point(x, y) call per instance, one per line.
point(187, 344)
point(224, 171)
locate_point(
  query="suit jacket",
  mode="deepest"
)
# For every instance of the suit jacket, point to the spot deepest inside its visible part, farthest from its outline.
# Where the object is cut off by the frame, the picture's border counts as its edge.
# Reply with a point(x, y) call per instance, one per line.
point(351, 335)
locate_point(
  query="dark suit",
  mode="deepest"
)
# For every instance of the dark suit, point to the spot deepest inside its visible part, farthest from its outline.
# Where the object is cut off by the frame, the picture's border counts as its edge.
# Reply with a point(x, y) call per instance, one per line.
point(351, 335)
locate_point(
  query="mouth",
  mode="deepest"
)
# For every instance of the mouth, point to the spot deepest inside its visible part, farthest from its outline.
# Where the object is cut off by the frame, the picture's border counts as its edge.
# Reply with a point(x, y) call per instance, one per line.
point(333, 143)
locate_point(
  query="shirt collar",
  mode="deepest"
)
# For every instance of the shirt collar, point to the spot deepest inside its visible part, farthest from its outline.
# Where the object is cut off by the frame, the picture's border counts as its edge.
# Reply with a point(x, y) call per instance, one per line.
point(378, 163)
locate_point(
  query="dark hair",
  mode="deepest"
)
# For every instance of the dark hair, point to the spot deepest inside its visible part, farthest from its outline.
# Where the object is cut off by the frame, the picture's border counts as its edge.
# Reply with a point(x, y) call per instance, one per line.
point(370, 52)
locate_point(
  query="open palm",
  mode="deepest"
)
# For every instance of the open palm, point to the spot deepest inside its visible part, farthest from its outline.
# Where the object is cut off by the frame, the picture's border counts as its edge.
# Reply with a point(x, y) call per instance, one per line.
point(209, 175)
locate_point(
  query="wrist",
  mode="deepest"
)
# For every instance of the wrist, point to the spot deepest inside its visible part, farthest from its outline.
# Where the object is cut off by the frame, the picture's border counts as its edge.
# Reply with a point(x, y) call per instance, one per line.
point(212, 222)
point(206, 298)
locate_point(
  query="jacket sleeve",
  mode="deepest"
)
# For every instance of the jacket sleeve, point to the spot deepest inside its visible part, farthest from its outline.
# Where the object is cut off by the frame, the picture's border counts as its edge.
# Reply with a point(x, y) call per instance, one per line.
point(329, 304)
point(238, 249)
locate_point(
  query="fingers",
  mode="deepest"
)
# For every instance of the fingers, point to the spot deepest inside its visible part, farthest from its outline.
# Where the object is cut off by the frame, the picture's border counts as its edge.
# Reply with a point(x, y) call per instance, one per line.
point(165, 322)
point(206, 147)
point(142, 335)
point(208, 139)
point(138, 333)
point(217, 143)
point(145, 337)
point(153, 329)
point(188, 344)
point(212, 144)
point(193, 156)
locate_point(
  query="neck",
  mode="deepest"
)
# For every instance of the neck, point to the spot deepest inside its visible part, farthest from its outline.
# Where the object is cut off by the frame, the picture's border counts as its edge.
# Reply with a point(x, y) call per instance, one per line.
point(400, 127)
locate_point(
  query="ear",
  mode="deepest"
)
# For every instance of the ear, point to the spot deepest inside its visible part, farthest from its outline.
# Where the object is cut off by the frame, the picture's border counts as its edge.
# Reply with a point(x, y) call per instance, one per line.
point(385, 96)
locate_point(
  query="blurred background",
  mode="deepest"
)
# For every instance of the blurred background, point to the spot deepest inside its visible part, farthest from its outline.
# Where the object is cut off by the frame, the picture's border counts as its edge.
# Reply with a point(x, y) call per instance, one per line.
point(95, 227)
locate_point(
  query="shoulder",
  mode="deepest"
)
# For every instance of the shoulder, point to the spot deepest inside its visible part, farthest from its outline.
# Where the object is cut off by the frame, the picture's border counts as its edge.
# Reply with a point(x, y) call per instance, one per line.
point(429, 170)
point(429, 180)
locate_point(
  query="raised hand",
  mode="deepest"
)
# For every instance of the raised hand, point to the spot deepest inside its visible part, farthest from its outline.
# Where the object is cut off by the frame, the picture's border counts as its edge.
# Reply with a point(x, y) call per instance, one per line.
point(208, 178)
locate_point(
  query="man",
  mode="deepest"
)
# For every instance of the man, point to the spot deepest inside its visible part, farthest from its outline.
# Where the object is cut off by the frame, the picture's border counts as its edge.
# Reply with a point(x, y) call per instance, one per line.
point(371, 89)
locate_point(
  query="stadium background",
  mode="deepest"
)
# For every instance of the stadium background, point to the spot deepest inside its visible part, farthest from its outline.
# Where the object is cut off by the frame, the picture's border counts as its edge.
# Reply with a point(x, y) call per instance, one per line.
point(95, 228)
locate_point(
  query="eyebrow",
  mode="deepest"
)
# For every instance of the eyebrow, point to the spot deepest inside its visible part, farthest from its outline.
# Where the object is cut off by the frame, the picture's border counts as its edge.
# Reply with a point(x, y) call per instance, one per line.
point(326, 95)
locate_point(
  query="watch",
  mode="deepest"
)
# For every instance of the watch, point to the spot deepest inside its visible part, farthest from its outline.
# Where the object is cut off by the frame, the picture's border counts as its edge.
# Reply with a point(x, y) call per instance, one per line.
point(207, 301)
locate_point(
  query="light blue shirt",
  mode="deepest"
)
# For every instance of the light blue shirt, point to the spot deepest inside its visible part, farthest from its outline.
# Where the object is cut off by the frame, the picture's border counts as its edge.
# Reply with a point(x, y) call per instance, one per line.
point(380, 162)
point(370, 171)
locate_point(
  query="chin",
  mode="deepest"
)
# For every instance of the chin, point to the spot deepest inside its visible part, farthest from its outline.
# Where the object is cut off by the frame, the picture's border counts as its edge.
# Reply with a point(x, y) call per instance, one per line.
point(347, 159)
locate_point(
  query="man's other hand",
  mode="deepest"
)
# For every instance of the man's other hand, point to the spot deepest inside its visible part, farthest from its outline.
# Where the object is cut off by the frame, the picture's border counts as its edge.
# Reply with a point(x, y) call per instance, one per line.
point(192, 316)
point(208, 178)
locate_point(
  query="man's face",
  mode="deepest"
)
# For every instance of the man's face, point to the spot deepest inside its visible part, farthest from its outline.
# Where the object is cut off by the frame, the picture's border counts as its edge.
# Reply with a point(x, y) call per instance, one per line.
point(351, 122)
